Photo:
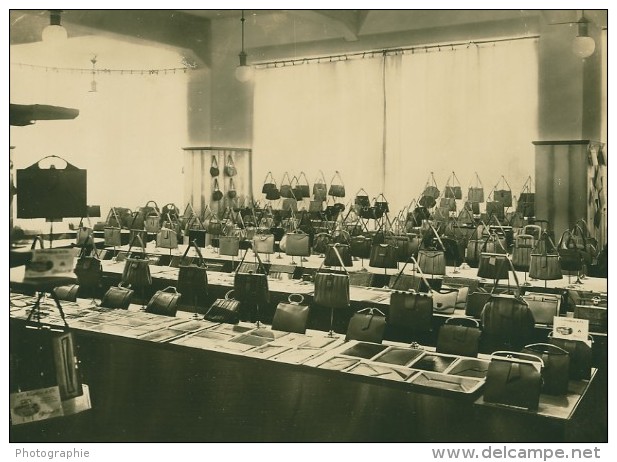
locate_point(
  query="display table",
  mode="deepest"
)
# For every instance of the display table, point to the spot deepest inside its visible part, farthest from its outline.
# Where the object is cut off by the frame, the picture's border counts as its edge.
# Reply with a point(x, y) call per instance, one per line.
point(155, 378)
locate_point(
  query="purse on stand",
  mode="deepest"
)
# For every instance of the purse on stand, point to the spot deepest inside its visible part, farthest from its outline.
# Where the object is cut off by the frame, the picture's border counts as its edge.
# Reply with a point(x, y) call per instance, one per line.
point(475, 194)
point(459, 336)
point(337, 190)
point(193, 278)
point(367, 325)
point(117, 297)
point(136, 267)
point(502, 192)
point(453, 191)
point(224, 310)
point(291, 316)
point(251, 287)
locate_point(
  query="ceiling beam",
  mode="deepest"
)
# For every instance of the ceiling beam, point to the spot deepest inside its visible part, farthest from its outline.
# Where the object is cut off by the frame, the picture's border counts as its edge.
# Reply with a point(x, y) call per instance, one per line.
point(345, 22)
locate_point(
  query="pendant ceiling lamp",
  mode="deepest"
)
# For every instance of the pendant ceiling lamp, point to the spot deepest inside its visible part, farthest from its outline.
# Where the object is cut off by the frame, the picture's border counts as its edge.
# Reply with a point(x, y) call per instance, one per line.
point(583, 46)
point(243, 72)
point(54, 32)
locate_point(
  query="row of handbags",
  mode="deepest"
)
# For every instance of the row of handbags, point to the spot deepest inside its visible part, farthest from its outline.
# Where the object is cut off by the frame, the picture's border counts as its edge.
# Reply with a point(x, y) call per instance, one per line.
point(299, 191)
point(229, 169)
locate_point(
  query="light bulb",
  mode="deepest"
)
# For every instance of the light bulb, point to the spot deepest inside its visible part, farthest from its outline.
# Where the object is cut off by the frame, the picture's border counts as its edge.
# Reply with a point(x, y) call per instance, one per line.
point(244, 73)
point(583, 46)
point(54, 33)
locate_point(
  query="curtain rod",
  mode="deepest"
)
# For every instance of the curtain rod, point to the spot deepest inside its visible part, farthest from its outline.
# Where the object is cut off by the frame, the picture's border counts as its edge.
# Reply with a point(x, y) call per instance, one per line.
point(385, 52)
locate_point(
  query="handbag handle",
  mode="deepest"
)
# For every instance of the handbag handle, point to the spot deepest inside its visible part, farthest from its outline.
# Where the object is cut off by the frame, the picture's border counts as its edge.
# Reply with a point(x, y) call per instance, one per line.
point(478, 181)
point(320, 177)
point(214, 162)
point(546, 347)
point(260, 263)
point(196, 247)
point(361, 190)
point(228, 293)
point(514, 355)
point(460, 321)
point(38, 239)
point(382, 196)
point(443, 247)
point(216, 184)
point(269, 175)
point(428, 182)
point(115, 214)
point(337, 174)
point(156, 207)
point(338, 256)
point(232, 186)
point(89, 239)
point(229, 161)
point(141, 243)
point(302, 174)
point(285, 175)
point(290, 300)
point(170, 289)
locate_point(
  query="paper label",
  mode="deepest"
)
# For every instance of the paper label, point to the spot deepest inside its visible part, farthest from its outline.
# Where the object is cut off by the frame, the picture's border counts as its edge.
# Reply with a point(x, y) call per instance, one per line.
point(50, 262)
point(35, 405)
point(571, 328)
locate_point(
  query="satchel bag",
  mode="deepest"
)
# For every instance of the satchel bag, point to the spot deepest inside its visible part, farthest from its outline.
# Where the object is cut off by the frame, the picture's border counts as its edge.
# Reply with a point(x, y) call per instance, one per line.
point(362, 199)
point(263, 243)
point(544, 267)
point(230, 168)
point(136, 268)
point(152, 223)
point(231, 192)
point(332, 289)
point(556, 369)
point(164, 302)
point(117, 297)
point(297, 244)
point(367, 325)
point(304, 190)
point(431, 190)
point(444, 301)
point(514, 379)
point(285, 189)
point(507, 320)
point(167, 239)
point(570, 257)
point(224, 310)
point(113, 237)
point(214, 167)
point(459, 336)
point(360, 246)
point(411, 311)
point(402, 247)
point(332, 258)
point(504, 196)
point(475, 303)
point(229, 245)
point(217, 194)
point(89, 270)
point(67, 293)
point(383, 256)
point(193, 278)
point(495, 208)
point(544, 307)
point(291, 316)
point(337, 190)
point(476, 193)
point(521, 253)
point(320, 190)
point(432, 261)
point(251, 287)
point(580, 356)
point(493, 266)
point(427, 202)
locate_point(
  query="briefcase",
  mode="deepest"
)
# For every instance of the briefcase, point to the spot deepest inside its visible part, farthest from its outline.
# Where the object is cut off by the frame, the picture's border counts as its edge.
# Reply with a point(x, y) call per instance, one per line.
point(544, 307)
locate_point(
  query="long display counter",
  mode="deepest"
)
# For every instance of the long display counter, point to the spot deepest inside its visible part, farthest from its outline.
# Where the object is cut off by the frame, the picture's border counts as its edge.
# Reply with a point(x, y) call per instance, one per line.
point(156, 378)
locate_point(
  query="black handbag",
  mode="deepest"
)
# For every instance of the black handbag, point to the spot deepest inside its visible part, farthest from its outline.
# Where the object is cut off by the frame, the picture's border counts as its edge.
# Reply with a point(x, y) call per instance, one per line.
point(332, 289)
point(67, 293)
point(214, 167)
point(367, 325)
point(291, 316)
point(117, 297)
point(580, 356)
point(475, 303)
point(459, 336)
point(136, 268)
point(336, 190)
point(360, 246)
point(88, 269)
point(411, 311)
point(514, 379)
point(193, 278)
point(224, 310)
point(454, 191)
point(164, 302)
point(251, 287)
point(217, 194)
point(556, 369)
point(383, 256)
point(332, 259)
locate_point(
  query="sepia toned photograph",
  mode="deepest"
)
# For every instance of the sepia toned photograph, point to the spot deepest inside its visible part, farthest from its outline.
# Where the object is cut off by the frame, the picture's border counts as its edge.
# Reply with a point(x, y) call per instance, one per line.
point(308, 226)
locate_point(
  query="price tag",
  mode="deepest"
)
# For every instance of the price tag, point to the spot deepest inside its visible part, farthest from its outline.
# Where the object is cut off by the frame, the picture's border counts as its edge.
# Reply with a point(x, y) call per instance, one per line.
point(571, 328)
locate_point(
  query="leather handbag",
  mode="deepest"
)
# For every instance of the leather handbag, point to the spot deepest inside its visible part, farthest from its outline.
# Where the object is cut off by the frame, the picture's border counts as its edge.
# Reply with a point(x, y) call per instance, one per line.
point(297, 244)
point(362, 199)
point(596, 315)
point(268, 185)
point(514, 379)
point(231, 192)
point(432, 261)
point(493, 266)
point(507, 320)
point(381, 205)
point(504, 196)
point(193, 278)
point(360, 246)
point(526, 204)
point(285, 188)
point(263, 243)
point(167, 239)
point(67, 293)
point(475, 303)
point(402, 246)
point(113, 237)
point(521, 253)
point(336, 190)
point(117, 297)
point(217, 194)
point(290, 205)
point(556, 369)
point(320, 190)
point(136, 268)
point(331, 257)
point(448, 204)
point(291, 316)
point(224, 310)
point(164, 302)
point(544, 307)
point(459, 336)
point(304, 190)
point(495, 208)
point(455, 191)
point(476, 193)
point(411, 311)
point(544, 267)
point(88, 269)
point(230, 168)
point(405, 282)
point(332, 290)
point(251, 287)
point(214, 167)
point(427, 202)
point(580, 356)
point(321, 242)
point(570, 257)
point(229, 245)
point(83, 235)
point(196, 230)
point(444, 300)
point(152, 223)
point(367, 325)
point(215, 227)
point(383, 256)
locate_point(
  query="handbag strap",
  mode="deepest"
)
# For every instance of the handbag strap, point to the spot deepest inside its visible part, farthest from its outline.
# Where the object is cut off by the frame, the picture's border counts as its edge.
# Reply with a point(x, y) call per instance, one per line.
point(38, 239)
point(334, 247)
point(302, 174)
point(361, 190)
point(260, 263)
point(337, 174)
point(216, 184)
point(170, 289)
point(371, 313)
point(382, 196)
point(156, 207)
point(320, 177)
point(141, 243)
point(285, 175)
point(232, 187)
point(460, 321)
point(478, 183)
point(515, 355)
point(230, 161)
point(546, 347)
point(454, 177)
point(269, 175)
point(290, 300)
point(214, 162)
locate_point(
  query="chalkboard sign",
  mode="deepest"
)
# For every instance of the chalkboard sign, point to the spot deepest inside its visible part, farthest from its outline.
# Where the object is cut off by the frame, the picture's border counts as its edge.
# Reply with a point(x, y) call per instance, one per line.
point(51, 192)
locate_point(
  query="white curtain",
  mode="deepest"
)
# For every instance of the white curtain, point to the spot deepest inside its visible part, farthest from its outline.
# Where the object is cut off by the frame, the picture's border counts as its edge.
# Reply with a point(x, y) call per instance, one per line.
point(326, 116)
point(467, 109)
